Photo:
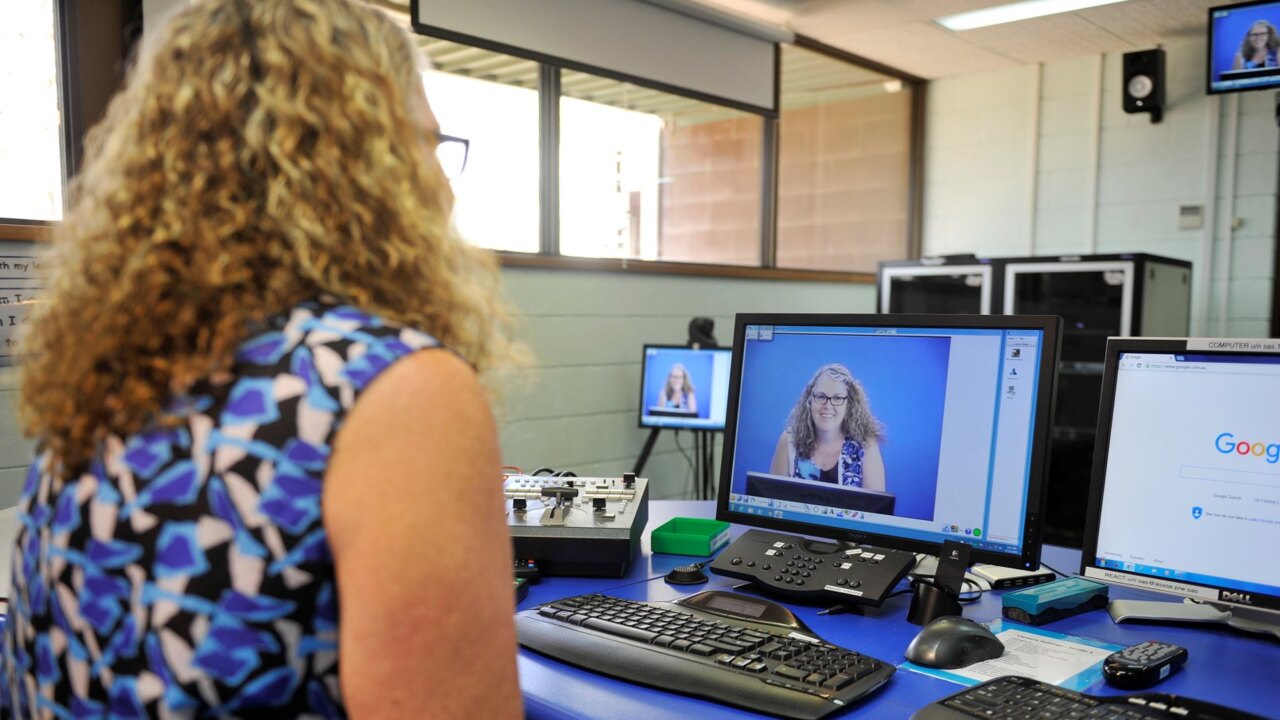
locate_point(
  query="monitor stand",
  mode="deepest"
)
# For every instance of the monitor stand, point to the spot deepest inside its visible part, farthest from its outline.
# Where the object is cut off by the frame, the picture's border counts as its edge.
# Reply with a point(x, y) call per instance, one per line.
point(927, 566)
point(1191, 611)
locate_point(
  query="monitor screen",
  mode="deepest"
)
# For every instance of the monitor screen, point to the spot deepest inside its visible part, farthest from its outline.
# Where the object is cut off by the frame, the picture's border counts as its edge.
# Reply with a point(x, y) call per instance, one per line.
point(1244, 48)
point(1186, 481)
point(684, 388)
point(903, 431)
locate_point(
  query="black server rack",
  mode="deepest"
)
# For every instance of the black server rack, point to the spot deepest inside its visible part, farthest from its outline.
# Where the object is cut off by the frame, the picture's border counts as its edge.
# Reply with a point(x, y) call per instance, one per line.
point(1098, 296)
point(955, 284)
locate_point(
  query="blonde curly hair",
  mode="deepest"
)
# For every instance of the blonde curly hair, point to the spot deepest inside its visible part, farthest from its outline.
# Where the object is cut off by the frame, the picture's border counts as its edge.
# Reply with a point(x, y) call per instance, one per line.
point(260, 154)
point(858, 423)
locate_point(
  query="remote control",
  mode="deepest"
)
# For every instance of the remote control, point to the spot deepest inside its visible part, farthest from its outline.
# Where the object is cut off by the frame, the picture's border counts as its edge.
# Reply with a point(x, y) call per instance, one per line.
point(1143, 665)
point(528, 569)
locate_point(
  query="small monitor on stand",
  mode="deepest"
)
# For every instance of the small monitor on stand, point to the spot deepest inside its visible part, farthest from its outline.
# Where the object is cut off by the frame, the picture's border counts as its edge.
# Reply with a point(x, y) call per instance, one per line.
point(1185, 497)
point(684, 388)
point(894, 431)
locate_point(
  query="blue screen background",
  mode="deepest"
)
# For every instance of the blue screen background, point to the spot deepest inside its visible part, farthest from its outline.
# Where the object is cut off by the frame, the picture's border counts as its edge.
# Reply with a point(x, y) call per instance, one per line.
point(699, 364)
point(905, 379)
point(1229, 32)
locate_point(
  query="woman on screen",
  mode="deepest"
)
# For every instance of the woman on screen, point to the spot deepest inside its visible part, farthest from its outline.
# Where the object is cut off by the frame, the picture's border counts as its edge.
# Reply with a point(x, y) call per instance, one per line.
point(831, 435)
point(677, 392)
point(1258, 49)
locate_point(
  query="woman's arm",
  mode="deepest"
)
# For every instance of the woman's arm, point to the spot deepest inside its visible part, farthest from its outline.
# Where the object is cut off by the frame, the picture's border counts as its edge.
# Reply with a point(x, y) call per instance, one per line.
point(1238, 63)
point(781, 462)
point(691, 402)
point(872, 466)
point(413, 507)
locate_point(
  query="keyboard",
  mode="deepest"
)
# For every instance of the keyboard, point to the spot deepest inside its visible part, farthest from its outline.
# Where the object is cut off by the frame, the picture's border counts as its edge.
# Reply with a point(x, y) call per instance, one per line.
point(1018, 698)
point(752, 665)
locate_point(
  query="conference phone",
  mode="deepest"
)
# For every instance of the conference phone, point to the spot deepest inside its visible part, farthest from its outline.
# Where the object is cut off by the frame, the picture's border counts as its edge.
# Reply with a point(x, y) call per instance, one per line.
point(813, 571)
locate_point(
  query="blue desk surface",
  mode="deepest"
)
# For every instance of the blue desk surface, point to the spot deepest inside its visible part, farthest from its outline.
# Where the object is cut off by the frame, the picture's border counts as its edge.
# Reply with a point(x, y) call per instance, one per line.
point(1225, 666)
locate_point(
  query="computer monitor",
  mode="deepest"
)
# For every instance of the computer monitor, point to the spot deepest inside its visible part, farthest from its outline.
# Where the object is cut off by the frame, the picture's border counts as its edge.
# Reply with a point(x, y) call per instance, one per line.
point(1185, 498)
point(945, 417)
point(1241, 50)
point(684, 388)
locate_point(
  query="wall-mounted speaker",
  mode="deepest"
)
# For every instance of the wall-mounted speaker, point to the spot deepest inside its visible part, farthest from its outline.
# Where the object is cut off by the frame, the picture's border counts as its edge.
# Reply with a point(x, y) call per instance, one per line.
point(1144, 83)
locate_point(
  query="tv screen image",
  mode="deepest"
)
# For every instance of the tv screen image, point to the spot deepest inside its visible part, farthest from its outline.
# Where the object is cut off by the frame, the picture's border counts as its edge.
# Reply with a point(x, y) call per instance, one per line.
point(1244, 47)
point(899, 431)
point(684, 388)
point(906, 412)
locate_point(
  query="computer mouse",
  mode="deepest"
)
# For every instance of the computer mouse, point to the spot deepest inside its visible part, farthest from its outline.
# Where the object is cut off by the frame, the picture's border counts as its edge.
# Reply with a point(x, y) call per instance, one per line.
point(687, 575)
point(953, 642)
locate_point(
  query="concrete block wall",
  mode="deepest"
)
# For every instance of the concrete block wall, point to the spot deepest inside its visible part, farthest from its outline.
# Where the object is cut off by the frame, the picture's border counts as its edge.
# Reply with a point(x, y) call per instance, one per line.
point(711, 197)
point(843, 173)
point(1010, 170)
point(577, 408)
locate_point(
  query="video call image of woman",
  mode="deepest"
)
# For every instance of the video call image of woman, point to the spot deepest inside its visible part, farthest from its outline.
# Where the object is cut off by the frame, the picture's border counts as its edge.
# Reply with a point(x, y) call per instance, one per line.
point(831, 435)
point(1259, 47)
point(677, 392)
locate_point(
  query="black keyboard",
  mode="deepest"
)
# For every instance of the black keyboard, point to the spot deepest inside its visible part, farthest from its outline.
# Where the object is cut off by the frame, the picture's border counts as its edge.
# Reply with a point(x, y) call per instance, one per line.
point(1018, 698)
point(760, 667)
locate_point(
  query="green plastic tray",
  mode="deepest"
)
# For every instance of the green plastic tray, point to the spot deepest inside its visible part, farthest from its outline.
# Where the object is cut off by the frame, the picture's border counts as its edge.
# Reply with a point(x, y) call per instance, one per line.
point(690, 536)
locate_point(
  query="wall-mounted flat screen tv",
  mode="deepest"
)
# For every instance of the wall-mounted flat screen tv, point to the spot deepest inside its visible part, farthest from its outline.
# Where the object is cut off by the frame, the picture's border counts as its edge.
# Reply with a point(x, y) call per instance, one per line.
point(1244, 47)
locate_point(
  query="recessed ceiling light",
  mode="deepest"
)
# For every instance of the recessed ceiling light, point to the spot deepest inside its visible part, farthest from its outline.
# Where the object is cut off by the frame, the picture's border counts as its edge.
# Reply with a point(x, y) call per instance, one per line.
point(1014, 12)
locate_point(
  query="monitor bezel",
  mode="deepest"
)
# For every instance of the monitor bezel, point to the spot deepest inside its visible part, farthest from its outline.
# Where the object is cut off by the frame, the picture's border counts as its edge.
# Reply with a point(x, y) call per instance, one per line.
point(1046, 394)
point(1102, 447)
point(644, 366)
point(1208, 51)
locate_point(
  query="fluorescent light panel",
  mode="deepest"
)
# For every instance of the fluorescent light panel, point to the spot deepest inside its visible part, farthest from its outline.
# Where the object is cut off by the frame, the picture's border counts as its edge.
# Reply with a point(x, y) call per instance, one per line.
point(1014, 12)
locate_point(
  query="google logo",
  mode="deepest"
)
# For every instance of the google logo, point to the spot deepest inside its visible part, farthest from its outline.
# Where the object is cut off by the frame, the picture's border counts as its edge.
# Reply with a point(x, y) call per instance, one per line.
point(1226, 444)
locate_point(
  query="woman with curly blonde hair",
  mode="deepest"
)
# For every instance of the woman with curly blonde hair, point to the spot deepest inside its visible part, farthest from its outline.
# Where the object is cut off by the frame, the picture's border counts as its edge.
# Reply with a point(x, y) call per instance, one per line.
point(1259, 48)
point(831, 435)
point(265, 478)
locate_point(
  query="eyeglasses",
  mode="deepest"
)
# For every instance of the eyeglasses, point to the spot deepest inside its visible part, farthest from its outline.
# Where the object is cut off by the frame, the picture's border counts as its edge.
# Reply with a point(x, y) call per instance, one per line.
point(1263, 33)
point(451, 152)
point(820, 399)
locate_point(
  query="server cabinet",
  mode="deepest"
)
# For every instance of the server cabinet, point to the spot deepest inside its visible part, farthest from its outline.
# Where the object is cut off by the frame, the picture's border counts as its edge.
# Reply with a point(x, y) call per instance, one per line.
point(1098, 296)
point(958, 284)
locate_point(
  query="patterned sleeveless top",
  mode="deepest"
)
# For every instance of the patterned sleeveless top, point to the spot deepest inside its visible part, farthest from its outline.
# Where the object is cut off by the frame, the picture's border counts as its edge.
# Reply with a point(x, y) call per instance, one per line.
point(847, 471)
point(187, 573)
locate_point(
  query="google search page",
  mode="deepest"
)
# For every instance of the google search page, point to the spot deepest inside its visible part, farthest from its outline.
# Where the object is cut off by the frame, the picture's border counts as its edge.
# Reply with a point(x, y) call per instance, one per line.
point(1193, 471)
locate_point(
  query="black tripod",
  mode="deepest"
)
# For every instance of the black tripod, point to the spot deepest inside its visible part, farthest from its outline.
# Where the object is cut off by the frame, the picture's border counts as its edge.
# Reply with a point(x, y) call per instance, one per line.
point(704, 453)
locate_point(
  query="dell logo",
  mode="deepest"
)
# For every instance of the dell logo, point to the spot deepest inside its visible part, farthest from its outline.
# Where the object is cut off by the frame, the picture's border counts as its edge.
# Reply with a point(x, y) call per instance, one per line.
point(1236, 597)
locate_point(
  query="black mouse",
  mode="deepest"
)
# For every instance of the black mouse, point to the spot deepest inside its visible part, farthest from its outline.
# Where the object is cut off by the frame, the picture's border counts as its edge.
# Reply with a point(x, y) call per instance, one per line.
point(687, 575)
point(953, 642)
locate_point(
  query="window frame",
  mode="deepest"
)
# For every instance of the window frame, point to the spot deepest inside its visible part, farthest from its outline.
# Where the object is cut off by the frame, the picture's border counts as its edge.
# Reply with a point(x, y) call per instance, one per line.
point(549, 255)
point(30, 229)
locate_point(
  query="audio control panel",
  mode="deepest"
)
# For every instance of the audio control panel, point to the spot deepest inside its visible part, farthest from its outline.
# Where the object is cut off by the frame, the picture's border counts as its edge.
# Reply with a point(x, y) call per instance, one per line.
point(588, 526)
point(815, 571)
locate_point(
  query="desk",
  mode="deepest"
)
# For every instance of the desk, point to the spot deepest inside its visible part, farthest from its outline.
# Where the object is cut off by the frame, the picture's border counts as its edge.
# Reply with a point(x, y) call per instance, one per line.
point(1225, 666)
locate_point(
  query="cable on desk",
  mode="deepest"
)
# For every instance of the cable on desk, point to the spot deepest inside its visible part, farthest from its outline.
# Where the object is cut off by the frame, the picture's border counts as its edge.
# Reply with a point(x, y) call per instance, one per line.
point(1056, 572)
point(552, 472)
point(655, 577)
point(966, 596)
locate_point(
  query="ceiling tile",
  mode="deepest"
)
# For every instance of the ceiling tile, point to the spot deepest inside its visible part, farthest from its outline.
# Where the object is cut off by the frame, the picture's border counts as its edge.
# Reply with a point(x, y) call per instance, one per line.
point(902, 34)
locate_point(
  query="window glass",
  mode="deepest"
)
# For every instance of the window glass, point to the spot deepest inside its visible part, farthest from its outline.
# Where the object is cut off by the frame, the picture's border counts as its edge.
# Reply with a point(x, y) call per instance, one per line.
point(490, 100)
point(30, 122)
point(843, 166)
point(656, 176)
